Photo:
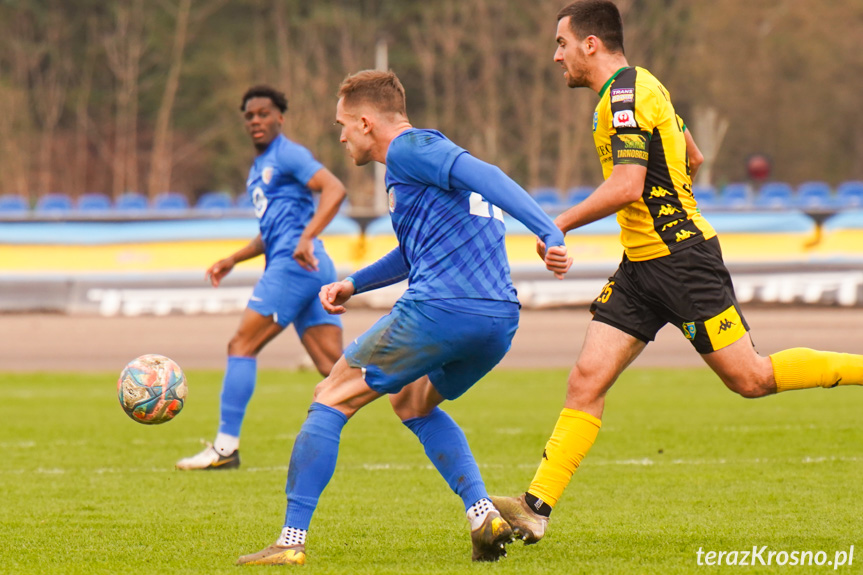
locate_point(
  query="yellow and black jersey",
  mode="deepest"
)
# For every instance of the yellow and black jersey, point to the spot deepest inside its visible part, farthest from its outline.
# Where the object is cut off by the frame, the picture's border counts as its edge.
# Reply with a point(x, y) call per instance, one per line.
point(635, 123)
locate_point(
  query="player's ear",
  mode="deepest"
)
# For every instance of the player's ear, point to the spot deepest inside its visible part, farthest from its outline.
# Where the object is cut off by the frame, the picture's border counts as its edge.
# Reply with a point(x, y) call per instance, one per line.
point(591, 44)
point(367, 123)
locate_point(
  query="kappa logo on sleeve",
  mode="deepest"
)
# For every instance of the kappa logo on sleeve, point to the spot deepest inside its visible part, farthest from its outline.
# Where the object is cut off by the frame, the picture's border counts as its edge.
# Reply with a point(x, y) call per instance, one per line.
point(624, 119)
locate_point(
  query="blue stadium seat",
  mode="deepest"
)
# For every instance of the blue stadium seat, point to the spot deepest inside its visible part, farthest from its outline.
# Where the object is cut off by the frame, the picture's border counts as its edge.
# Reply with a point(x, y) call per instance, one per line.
point(345, 207)
point(381, 226)
point(243, 201)
point(215, 201)
point(342, 225)
point(706, 196)
point(54, 203)
point(130, 202)
point(735, 196)
point(13, 204)
point(170, 201)
point(775, 195)
point(93, 202)
point(849, 195)
point(577, 195)
point(547, 198)
point(815, 196)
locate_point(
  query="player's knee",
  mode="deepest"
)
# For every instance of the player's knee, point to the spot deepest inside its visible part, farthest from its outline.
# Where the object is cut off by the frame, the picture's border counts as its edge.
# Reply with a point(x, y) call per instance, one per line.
point(586, 381)
point(324, 368)
point(748, 385)
point(239, 346)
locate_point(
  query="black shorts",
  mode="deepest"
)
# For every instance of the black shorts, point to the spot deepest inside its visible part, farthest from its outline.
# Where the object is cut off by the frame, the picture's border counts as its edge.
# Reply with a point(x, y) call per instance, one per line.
point(690, 289)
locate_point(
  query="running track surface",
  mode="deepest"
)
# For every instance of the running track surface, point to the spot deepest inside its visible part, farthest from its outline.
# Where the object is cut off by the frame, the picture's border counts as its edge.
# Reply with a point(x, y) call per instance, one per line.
point(546, 338)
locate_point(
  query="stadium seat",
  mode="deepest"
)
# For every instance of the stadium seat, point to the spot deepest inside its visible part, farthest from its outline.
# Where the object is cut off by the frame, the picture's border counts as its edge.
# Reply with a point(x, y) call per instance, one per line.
point(815, 196)
point(345, 207)
point(577, 195)
point(548, 199)
point(381, 226)
point(706, 196)
point(54, 203)
point(849, 195)
point(13, 204)
point(735, 196)
point(344, 226)
point(215, 202)
point(170, 201)
point(131, 201)
point(93, 202)
point(243, 201)
point(775, 196)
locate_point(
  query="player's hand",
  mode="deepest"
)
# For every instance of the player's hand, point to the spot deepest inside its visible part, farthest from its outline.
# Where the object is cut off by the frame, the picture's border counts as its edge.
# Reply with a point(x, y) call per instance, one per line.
point(305, 254)
point(219, 270)
point(333, 296)
point(557, 261)
point(540, 249)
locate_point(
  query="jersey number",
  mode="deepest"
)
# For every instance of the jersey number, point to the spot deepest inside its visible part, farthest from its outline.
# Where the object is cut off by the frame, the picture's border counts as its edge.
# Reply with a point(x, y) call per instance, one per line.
point(260, 202)
point(480, 207)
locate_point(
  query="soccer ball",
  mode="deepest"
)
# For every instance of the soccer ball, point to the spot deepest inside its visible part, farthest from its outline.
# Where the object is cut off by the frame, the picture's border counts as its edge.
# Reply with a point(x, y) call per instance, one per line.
point(152, 389)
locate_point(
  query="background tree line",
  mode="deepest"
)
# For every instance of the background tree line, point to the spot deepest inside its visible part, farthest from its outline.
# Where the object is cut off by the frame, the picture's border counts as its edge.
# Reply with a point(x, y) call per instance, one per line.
point(117, 95)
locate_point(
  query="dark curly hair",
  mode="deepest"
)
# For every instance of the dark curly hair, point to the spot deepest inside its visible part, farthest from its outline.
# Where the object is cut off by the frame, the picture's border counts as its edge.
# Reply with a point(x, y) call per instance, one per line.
point(263, 91)
point(599, 18)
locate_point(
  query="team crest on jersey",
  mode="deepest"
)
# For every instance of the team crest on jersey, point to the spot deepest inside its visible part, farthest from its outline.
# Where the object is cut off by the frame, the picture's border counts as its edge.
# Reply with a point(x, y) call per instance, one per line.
point(689, 330)
point(595, 120)
point(624, 119)
point(267, 175)
point(391, 198)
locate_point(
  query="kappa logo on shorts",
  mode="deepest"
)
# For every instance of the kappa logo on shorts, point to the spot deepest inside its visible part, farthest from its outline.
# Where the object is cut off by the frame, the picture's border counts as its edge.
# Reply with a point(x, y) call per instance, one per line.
point(689, 330)
point(725, 324)
point(724, 328)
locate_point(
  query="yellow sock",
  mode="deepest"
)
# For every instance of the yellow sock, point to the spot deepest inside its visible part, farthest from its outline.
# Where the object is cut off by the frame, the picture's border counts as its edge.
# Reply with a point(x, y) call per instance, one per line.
point(570, 441)
point(802, 368)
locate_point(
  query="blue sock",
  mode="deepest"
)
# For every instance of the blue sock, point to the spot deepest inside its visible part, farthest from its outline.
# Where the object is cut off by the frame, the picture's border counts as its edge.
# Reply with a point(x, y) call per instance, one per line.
point(237, 388)
point(447, 448)
point(313, 462)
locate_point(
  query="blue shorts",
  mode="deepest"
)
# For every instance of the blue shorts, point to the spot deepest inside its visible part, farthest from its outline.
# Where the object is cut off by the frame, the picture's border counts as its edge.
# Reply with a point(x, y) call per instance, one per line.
point(289, 293)
point(455, 349)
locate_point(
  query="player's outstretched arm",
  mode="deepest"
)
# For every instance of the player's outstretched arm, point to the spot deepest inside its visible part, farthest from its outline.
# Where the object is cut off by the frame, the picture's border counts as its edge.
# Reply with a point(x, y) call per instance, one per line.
point(223, 267)
point(492, 184)
point(388, 270)
point(624, 186)
point(332, 194)
point(334, 296)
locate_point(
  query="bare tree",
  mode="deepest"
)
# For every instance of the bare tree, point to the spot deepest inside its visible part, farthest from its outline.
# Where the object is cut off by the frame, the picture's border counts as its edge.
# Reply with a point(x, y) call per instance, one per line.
point(160, 160)
point(124, 47)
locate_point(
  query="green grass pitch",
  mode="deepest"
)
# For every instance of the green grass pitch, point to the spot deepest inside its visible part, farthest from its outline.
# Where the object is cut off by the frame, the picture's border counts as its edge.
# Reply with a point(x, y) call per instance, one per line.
point(680, 464)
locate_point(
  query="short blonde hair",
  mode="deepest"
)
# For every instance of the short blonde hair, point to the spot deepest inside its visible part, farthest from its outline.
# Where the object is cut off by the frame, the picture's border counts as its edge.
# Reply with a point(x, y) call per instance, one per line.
point(383, 90)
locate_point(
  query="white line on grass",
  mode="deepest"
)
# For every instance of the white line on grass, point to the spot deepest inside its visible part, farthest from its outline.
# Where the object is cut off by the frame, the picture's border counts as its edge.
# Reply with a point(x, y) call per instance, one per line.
point(373, 467)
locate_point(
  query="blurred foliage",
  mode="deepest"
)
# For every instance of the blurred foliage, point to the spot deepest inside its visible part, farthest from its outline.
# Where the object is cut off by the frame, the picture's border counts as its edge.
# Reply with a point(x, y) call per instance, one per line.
point(82, 84)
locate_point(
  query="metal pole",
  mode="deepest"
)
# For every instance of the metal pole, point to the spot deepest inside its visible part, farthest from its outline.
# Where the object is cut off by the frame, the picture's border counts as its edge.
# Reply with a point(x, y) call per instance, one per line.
point(380, 196)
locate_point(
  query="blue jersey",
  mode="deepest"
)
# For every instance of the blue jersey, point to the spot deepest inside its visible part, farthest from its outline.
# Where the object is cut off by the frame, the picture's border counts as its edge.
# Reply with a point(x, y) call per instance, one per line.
point(452, 239)
point(277, 185)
